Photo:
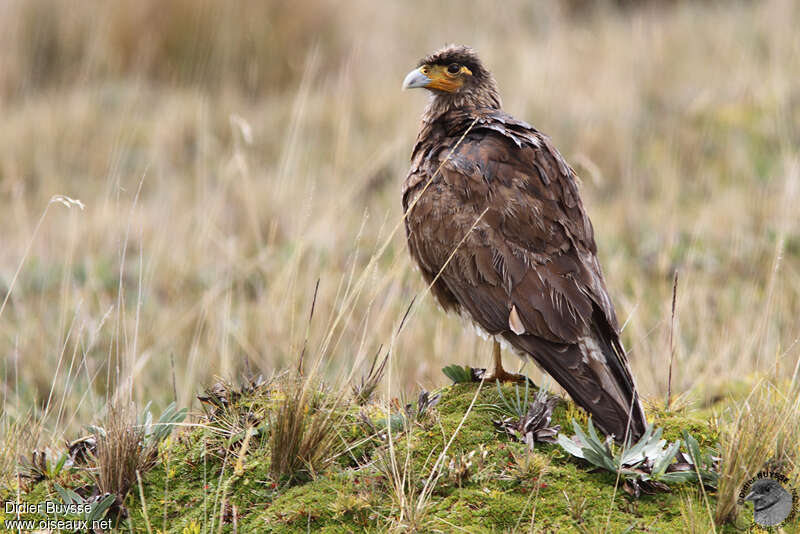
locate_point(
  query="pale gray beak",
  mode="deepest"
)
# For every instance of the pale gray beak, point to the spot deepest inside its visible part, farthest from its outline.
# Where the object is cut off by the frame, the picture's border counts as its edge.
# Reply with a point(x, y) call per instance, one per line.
point(415, 79)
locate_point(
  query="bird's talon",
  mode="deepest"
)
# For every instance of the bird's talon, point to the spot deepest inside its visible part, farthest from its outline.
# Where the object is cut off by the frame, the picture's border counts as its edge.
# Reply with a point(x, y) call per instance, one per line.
point(502, 376)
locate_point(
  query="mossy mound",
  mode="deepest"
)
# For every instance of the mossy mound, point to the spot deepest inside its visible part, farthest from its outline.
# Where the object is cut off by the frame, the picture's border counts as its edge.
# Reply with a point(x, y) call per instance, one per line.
point(488, 482)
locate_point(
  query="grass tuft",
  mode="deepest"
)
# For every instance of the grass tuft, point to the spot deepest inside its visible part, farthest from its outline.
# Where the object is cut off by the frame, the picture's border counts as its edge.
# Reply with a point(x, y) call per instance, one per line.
point(762, 432)
point(363, 390)
point(303, 427)
point(121, 453)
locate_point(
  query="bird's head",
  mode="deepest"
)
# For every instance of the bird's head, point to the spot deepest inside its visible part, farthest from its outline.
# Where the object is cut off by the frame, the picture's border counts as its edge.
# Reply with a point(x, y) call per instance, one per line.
point(764, 493)
point(456, 77)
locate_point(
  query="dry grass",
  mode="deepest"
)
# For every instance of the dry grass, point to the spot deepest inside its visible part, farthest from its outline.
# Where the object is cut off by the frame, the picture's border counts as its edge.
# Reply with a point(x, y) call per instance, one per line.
point(18, 440)
point(228, 158)
point(369, 382)
point(764, 432)
point(304, 436)
point(122, 453)
point(410, 509)
point(695, 518)
point(529, 466)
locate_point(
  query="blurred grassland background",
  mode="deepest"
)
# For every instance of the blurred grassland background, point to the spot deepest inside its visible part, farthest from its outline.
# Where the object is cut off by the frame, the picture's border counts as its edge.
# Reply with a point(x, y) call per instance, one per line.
point(230, 154)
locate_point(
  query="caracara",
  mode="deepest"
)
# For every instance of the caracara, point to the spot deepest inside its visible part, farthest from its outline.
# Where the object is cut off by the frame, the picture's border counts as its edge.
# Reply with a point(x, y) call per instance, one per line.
point(496, 224)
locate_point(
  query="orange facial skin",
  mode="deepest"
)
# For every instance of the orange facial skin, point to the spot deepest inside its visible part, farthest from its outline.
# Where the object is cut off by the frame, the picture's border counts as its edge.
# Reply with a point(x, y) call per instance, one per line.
point(442, 79)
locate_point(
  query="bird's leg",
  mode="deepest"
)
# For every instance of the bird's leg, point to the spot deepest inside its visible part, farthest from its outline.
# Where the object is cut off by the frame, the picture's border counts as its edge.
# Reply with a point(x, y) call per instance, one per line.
point(498, 373)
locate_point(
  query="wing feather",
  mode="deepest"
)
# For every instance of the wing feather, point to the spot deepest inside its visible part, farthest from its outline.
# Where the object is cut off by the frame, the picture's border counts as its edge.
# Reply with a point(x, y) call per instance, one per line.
point(527, 249)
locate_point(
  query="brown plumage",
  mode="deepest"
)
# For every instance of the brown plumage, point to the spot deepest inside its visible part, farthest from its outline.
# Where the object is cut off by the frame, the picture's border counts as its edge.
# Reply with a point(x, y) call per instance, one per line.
point(494, 193)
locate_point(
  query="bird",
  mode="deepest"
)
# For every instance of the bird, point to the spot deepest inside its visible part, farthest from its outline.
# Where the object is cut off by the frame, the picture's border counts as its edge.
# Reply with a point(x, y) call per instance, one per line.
point(771, 502)
point(495, 222)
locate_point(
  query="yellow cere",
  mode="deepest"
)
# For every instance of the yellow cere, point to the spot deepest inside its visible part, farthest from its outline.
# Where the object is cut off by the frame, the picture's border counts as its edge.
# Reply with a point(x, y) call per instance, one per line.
point(442, 80)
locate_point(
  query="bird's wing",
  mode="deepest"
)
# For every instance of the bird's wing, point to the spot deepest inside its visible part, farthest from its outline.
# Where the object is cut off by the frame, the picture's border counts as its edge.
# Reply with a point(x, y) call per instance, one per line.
point(503, 227)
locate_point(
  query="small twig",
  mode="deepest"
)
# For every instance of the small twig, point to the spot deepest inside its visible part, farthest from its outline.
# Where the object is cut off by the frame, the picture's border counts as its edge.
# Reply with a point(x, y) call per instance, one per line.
point(702, 487)
point(166, 490)
point(369, 382)
point(174, 387)
point(144, 504)
point(305, 341)
point(61, 199)
point(375, 360)
point(671, 345)
point(247, 370)
point(405, 316)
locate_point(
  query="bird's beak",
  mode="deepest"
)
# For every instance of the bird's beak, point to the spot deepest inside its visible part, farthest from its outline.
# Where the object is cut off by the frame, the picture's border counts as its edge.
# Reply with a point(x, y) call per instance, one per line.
point(415, 79)
point(750, 496)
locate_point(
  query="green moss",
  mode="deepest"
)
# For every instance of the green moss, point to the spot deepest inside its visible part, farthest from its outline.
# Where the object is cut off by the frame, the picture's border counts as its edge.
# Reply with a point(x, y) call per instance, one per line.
point(675, 423)
point(198, 481)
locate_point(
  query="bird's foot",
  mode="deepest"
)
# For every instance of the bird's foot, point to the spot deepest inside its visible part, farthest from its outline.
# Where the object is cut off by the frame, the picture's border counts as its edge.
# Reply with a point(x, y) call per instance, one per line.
point(499, 374)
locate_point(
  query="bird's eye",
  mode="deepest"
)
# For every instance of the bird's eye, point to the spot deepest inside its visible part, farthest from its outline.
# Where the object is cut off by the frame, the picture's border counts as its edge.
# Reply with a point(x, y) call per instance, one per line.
point(453, 68)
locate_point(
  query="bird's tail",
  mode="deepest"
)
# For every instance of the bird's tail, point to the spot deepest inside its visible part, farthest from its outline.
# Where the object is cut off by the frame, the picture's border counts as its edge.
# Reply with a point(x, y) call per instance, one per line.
point(596, 374)
point(615, 374)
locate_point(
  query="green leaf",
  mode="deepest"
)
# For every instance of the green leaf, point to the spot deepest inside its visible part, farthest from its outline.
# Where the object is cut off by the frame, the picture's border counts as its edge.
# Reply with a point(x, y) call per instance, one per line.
point(570, 446)
point(67, 495)
point(664, 459)
point(458, 374)
point(589, 446)
point(600, 460)
point(593, 432)
point(60, 464)
point(635, 453)
point(166, 423)
point(146, 418)
point(397, 422)
point(678, 477)
point(99, 508)
point(593, 441)
point(517, 406)
point(692, 447)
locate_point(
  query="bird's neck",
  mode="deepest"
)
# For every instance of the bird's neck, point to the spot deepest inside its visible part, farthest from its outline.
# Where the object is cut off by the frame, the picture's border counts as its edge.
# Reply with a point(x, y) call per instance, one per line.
point(441, 105)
